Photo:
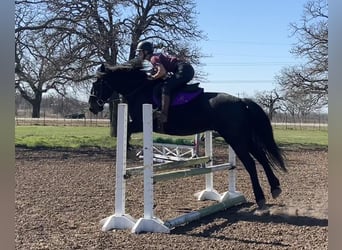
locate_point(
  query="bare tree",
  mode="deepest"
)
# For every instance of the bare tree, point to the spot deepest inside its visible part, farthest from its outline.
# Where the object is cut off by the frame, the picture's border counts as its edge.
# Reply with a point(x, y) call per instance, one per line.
point(270, 100)
point(311, 78)
point(43, 62)
point(298, 105)
point(170, 25)
point(88, 32)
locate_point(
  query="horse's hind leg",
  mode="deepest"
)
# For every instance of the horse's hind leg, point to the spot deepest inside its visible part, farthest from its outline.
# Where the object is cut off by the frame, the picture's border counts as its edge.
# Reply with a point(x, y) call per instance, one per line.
point(272, 179)
point(249, 164)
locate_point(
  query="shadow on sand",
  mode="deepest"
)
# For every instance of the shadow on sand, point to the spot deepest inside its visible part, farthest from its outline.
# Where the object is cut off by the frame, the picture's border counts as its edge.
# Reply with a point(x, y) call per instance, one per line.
point(245, 213)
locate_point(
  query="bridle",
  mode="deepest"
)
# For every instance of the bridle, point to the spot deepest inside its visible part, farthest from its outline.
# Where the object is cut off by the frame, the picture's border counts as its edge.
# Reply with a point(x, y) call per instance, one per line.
point(99, 100)
point(95, 98)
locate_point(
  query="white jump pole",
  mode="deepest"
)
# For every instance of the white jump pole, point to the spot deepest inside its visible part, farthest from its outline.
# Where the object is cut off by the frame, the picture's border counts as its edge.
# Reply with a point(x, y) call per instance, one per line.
point(231, 193)
point(120, 220)
point(209, 193)
point(148, 223)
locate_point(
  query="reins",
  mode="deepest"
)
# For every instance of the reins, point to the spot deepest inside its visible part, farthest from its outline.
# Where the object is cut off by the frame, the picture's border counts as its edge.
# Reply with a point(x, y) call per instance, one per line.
point(125, 96)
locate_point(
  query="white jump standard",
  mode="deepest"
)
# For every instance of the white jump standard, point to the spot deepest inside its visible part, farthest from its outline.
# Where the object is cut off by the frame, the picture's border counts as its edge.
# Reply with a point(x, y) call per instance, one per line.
point(120, 220)
point(149, 222)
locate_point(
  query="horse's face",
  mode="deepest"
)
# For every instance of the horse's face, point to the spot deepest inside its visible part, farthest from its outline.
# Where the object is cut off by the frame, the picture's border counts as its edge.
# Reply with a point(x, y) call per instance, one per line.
point(99, 95)
point(123, 79)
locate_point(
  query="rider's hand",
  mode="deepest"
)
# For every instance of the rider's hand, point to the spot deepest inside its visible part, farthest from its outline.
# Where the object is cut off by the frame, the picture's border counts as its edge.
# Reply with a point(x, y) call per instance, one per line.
point(149, 76)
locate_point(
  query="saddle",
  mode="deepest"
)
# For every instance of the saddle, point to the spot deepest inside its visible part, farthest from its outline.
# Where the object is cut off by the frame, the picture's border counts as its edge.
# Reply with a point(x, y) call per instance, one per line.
point(182, 96)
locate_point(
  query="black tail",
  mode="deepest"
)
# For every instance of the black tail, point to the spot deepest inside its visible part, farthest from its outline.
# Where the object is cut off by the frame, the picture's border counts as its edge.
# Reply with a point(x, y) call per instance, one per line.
point(263, 135)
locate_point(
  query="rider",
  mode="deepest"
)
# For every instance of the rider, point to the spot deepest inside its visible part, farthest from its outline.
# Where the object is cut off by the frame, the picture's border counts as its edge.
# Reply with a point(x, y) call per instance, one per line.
point(181, 73)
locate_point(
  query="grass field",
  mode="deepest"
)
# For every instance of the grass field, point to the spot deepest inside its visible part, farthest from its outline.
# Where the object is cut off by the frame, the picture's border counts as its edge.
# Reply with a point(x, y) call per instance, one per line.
point(76, 137)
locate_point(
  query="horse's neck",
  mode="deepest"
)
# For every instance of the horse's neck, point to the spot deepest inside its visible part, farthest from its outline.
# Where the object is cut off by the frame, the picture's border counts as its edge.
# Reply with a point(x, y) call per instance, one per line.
point(143, 95)
point(136, 100)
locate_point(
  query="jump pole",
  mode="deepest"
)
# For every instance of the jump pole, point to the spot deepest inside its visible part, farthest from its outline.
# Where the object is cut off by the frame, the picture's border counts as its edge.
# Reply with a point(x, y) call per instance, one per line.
point(195, 215)
point(150, 223)
point(168, 165)
point(209, 193)
point(120, 220)
point(226, 200)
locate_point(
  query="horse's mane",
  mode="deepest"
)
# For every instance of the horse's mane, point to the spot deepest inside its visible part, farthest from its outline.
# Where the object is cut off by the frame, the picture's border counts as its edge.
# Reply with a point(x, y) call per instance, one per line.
point(132, 65)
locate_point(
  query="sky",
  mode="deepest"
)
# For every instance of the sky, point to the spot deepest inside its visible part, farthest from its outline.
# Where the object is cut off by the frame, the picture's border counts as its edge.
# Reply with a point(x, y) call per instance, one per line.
point(249, 42)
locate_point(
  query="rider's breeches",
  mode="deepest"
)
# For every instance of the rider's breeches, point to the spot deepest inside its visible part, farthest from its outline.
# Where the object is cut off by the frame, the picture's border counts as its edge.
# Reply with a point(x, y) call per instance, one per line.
point(183, 74)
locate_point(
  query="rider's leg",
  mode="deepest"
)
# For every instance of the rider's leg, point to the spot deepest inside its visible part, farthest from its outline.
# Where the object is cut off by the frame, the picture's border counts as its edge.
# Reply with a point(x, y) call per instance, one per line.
point(165, 103)
point(165, 107)
point(183, 74)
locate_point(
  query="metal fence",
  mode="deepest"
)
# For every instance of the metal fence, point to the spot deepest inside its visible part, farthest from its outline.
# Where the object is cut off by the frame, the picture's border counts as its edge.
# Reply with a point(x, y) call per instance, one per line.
point(86, 122)
point(93, 122)
point(300, 125)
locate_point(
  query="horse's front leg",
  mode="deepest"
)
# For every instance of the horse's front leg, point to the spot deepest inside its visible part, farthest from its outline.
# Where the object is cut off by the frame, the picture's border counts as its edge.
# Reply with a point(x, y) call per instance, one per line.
point(129, 146)
point(129, 135)
point(131, 129)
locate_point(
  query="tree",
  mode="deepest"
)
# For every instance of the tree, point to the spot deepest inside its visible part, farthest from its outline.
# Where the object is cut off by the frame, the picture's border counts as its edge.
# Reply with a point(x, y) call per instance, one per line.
point(170, 25)
point(269, 100)
point(43, 62)
point(108, 31)
point(299, 105)
point(311, 78)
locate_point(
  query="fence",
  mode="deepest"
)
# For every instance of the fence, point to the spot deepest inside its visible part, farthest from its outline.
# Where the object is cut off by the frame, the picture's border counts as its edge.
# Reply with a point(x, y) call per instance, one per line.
point(93, 122)
point(300, 125)
point(85, 122)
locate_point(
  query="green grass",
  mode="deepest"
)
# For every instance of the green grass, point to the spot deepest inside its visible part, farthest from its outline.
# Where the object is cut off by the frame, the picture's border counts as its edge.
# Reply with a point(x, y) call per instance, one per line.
point(77, 137)
point(301, 138)
point(63, 137)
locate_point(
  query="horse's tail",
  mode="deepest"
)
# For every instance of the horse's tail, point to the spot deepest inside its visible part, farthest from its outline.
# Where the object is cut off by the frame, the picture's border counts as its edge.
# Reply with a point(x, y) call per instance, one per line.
point(262, 135)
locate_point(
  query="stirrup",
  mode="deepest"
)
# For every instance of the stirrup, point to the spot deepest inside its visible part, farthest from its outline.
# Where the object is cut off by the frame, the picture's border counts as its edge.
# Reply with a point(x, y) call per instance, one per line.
point(155, 113)
point(160, 116)
point(160, 127)
point(163, 117)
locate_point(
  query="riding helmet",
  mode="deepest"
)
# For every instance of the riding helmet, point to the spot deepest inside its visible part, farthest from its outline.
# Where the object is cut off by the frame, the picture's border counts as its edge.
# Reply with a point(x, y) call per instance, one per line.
point(147, 46)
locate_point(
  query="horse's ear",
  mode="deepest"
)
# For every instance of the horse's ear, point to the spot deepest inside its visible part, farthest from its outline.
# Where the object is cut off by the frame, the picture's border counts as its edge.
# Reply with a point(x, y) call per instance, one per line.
point(101, 71)
point(102, 68)
point(134, 63)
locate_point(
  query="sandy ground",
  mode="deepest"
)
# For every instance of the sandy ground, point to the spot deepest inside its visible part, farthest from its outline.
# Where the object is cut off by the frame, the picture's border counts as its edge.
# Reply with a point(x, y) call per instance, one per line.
point(61, 196)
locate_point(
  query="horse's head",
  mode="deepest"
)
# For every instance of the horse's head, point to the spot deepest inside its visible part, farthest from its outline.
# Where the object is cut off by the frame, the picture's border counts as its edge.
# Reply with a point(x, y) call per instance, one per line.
point(99, 95)
point(123, 79)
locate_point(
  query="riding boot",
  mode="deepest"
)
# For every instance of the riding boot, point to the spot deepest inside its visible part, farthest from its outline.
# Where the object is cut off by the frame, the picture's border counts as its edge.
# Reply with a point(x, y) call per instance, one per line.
point(165, 108)
point(162, 116)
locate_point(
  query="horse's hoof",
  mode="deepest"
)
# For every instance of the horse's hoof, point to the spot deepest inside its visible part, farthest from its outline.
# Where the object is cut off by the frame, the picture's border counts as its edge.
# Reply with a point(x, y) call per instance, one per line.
point(132, 155)
point(276, 192)
point(261, 203)
point(262, 211)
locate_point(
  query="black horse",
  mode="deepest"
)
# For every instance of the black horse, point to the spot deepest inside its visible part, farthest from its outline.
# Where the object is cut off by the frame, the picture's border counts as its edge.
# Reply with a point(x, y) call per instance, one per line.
point(241, 122)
